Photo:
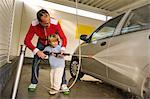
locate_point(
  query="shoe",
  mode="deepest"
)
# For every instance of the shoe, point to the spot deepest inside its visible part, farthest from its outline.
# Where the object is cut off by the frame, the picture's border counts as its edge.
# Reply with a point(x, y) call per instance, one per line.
point(32, 87)
point(53, 91)
point(64, 88)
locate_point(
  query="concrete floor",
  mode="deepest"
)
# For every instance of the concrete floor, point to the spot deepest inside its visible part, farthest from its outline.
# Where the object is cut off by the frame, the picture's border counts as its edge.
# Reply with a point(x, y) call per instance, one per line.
point(87, 88)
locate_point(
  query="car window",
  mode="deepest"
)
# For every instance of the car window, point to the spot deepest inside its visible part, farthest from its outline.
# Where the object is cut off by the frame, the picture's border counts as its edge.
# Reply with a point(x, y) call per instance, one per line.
point(138, 19)
point(107, 29)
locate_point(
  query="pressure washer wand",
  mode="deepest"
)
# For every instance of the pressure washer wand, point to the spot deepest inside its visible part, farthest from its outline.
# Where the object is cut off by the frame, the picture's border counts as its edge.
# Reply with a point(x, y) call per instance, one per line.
point(66, 54)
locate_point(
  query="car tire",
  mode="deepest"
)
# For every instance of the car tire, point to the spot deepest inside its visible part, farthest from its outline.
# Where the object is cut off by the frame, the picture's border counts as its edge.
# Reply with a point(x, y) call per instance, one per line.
point(146, 90)
point(74, 67)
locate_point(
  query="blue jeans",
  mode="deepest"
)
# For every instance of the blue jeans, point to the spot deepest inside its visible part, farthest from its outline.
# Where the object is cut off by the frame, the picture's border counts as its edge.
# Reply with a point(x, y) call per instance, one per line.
point(35, 67)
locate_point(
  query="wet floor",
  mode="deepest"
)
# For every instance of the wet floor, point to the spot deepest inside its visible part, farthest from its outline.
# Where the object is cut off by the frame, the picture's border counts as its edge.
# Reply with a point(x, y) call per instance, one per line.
point(87, 88)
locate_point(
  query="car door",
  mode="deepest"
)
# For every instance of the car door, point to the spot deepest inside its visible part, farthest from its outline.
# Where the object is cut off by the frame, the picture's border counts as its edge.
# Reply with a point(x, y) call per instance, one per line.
point(129, 52)
point(96, 49)
point(89, 64)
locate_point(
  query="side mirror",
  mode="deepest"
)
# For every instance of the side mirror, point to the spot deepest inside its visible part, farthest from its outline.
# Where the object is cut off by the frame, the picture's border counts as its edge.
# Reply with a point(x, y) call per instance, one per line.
point(83, 37)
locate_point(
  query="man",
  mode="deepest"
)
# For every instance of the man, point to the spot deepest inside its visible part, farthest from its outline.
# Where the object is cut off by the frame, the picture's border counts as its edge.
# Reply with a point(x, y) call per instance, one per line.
point(43, 26)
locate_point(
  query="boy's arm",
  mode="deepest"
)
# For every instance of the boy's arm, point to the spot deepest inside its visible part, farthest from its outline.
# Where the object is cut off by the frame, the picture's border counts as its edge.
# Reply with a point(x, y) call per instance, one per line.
point(47, 50)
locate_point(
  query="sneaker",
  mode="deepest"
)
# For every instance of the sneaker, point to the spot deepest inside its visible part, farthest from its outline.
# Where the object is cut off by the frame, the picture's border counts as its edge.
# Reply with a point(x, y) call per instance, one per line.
point(64, 88)
point(32, 87)
point(53, 92)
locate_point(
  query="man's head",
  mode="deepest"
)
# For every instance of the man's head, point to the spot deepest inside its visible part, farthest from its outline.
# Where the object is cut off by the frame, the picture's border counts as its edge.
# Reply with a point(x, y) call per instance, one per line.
point(43, 18)
point(53, 40)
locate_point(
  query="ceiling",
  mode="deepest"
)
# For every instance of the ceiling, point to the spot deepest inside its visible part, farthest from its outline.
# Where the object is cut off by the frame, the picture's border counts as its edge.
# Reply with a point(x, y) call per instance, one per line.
point(106, 7)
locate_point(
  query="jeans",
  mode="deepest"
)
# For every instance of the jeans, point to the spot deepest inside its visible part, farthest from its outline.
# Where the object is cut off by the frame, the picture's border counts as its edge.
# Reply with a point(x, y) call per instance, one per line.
point(35, 67)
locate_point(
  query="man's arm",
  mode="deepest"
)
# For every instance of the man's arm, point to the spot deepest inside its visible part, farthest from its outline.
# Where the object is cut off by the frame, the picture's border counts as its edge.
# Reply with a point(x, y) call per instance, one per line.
point(62, 36)
point(29, 37)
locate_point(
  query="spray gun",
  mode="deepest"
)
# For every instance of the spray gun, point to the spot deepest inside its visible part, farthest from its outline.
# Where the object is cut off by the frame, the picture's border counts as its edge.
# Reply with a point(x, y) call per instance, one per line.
point(65, 54)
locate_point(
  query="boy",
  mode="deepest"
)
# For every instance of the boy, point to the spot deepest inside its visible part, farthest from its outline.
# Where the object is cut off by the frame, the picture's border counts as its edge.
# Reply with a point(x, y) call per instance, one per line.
point(57, 63)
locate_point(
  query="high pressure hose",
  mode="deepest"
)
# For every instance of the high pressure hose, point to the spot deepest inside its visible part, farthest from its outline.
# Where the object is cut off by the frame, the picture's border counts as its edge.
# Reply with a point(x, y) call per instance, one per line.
point(35, 69)
point(78, 69)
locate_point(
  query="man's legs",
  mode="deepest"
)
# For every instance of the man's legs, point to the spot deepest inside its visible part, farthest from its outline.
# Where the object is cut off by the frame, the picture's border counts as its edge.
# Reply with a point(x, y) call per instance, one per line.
point(64, 87)
point(35, 68)
point(35, 73)
point(64, 81)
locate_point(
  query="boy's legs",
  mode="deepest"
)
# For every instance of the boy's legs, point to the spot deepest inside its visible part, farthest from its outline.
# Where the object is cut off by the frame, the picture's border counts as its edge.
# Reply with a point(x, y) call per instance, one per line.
point(52, 78)
point(58, 78)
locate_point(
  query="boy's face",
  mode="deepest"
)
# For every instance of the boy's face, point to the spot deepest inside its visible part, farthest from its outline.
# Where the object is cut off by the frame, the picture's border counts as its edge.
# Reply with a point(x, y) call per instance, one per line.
point(54, 43)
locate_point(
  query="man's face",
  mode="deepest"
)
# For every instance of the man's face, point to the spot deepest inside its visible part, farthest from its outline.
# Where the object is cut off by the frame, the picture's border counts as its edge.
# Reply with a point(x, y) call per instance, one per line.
point(45, 20)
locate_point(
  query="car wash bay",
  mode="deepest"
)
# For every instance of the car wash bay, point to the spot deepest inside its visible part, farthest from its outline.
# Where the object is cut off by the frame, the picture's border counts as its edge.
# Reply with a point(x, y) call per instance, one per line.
point(86, 88)
point(15, 19)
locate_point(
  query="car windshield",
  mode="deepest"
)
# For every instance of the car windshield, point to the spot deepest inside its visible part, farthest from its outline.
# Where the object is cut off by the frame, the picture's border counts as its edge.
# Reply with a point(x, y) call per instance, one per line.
point(138, 19)
point(107, 29)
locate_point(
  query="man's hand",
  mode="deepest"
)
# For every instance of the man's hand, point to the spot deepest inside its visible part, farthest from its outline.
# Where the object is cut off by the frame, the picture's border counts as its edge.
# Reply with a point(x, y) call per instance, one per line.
point(41, 54)
point(62, 52)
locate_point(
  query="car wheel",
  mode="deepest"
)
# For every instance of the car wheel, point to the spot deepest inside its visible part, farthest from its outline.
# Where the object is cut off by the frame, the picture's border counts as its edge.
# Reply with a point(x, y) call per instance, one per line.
point(74, 67)
point(146, 90)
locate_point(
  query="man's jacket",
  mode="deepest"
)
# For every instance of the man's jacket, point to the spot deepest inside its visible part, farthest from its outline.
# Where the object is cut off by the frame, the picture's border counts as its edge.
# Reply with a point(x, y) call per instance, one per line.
point(36, 28)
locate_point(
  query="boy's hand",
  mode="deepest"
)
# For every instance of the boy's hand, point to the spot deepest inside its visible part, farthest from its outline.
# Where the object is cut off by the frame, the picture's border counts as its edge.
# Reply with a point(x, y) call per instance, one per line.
point(60, 55)
point(53, 54)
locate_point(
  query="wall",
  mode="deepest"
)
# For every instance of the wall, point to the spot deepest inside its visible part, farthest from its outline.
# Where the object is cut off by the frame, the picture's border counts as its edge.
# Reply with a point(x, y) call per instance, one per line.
point(6, 29)
point(16, 28)
point(6, 9)
point(7, 34)
point(68, 23)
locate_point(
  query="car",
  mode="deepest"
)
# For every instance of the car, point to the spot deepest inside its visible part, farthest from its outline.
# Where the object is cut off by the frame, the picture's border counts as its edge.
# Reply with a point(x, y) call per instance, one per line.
point(118, 52)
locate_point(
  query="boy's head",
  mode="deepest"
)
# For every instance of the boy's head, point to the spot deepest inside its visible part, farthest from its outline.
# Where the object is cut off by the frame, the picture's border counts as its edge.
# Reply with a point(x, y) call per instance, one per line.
point(53, 40)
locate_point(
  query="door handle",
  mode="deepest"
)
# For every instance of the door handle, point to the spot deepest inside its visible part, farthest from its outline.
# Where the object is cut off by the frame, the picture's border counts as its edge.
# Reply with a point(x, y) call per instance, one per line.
point(103, 43)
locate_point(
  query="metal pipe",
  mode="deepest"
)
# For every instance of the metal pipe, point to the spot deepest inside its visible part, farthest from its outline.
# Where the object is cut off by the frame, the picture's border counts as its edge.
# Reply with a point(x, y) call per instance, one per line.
point(22, 53)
